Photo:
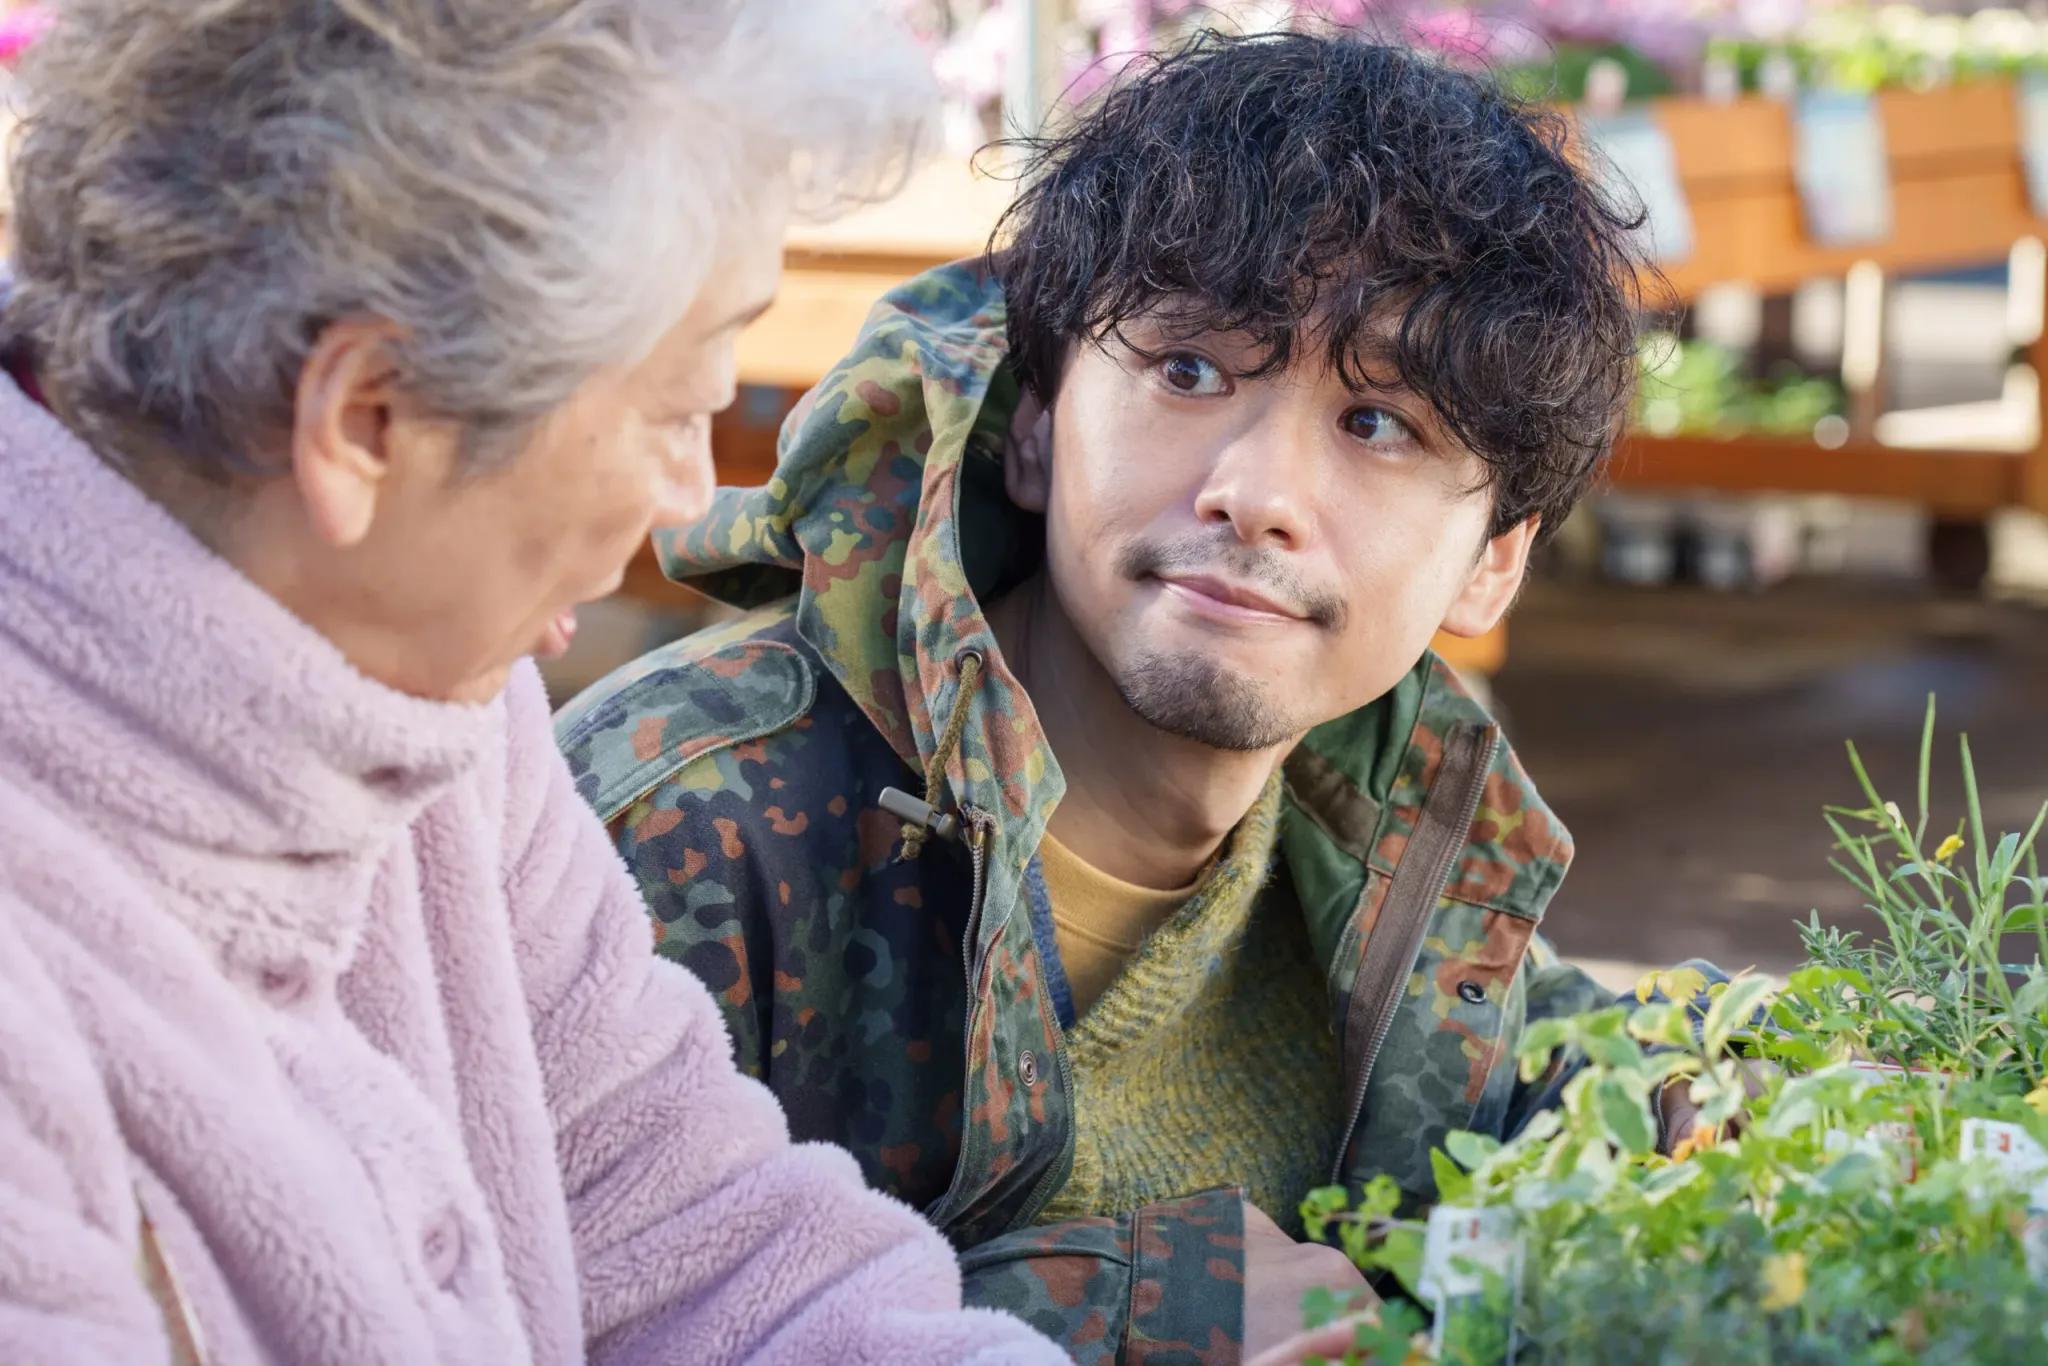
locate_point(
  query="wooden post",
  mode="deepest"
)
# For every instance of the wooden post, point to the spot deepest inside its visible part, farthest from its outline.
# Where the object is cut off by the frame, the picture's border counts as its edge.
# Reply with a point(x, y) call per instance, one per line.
point(1864, 294)
point(1027, 84)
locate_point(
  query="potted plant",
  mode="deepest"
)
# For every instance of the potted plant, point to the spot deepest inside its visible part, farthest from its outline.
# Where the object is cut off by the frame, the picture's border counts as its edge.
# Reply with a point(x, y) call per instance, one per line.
point(1870, 1181)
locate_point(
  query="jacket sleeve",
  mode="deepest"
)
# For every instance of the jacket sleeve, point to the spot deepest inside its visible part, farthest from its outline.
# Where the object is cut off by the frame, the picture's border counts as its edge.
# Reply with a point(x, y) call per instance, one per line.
point(702, 1233)
point(1162, 1283)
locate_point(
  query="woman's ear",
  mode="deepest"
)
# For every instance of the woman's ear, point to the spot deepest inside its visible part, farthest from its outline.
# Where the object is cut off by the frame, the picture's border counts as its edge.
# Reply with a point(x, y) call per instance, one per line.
point(1496, 579)
point(1027, 455)
point(341, 423)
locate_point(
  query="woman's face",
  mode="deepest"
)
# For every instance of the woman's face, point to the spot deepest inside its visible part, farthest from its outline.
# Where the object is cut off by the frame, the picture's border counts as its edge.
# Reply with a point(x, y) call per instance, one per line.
point(435, 581)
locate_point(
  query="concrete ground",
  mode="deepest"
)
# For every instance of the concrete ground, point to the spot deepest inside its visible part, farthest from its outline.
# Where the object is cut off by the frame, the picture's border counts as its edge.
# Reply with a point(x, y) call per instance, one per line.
point(1691, 739)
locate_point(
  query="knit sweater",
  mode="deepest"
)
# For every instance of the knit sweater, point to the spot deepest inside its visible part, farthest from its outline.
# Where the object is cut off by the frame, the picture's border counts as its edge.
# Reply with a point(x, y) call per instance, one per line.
point(1209, 1061)
point(348, 994)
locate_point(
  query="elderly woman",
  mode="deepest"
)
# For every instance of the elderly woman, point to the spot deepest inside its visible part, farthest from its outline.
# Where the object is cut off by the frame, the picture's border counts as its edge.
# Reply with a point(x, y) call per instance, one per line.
point(352, 344)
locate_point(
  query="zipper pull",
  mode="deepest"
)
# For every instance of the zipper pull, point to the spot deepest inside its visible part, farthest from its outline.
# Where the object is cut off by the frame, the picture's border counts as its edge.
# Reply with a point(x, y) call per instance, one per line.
point(912, 811)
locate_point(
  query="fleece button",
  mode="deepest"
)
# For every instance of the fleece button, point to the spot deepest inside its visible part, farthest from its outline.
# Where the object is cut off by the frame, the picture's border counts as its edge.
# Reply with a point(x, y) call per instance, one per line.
point(441, 1248)
point(285, 981)
point(1027, 1067)
point(1471, 993)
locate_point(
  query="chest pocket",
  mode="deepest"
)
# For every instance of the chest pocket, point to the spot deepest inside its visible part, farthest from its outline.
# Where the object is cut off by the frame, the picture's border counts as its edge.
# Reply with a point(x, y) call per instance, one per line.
point(630, 733)
point(1446, 1061)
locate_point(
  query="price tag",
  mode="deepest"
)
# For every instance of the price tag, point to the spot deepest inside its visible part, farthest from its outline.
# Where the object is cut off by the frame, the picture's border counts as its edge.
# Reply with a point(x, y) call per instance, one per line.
point(1893, 1142)
point(1639, 167)
point(1845, 185)
point(2033, 94)
point(2013, 1151)
point(1462, 1252)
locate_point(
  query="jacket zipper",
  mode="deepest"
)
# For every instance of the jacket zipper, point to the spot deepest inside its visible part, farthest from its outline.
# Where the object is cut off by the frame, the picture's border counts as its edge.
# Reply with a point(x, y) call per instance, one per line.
point(1392, 970)
point(979, 826)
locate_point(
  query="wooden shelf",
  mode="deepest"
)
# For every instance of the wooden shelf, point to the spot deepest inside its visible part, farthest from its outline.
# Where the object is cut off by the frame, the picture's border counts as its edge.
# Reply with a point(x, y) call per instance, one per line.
point(1950, 483)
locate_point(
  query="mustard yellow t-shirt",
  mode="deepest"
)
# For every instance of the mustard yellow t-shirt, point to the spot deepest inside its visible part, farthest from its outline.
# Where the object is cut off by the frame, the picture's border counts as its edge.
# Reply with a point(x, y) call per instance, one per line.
point(1099, 920)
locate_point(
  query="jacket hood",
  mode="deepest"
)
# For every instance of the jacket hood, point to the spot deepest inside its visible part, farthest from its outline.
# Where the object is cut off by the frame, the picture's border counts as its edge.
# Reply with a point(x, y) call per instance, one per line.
point(886, 516)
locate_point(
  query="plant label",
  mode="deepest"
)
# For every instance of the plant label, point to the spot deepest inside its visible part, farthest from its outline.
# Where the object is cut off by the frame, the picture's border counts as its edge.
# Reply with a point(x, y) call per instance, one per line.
point(1638, 165)
point(2033, 95)
point(2013, 1151)
point(1471, 1273)
point(1891, 1141)
point(1844, 178)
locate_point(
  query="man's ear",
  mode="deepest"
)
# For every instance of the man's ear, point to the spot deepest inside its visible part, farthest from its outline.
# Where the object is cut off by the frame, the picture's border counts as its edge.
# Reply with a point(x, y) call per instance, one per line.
point(341, 425)
point(1027, 455)
point(1496, 579)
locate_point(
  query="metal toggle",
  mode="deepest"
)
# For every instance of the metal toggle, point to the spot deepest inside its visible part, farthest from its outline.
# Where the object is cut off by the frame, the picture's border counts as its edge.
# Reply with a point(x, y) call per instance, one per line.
point(912, 811)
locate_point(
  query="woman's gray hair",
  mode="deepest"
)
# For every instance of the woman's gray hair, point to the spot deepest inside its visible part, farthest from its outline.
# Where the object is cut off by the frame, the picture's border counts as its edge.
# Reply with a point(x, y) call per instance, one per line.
point(531, 189)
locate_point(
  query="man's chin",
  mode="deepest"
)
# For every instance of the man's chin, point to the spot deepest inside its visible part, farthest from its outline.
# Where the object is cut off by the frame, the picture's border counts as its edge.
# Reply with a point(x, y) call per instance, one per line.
point(1195, 698)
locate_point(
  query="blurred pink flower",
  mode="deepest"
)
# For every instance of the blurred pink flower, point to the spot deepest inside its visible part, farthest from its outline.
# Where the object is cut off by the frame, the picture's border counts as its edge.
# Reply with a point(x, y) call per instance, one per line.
point(21, 28)
point(1458, 32)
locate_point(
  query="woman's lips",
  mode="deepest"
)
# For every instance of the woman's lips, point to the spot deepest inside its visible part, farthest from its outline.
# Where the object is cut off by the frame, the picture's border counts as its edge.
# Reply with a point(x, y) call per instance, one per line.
point(559, 635)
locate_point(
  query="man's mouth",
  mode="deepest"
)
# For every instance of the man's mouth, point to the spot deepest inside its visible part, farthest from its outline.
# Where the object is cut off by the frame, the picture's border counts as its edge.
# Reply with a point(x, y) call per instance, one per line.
point(1222, 600)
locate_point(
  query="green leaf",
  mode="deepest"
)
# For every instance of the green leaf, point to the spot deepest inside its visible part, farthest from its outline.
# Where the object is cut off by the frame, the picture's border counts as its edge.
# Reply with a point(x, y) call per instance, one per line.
point(1802, 1055)
point(2025, 919)
point(1470, 1150)
point(1926, 765)
point(1539, 1040)
point(1380, 1197)
point(1664, 1023)
point(1976, 811)
point(1400, 1253)
point(2004, 857)
point(1625, 1115)
point(1319, 1306)
point(1666, 1180)
point(1815, 976)
point(1452, 1184)
point(1732, 1009)
point(1613, 1048)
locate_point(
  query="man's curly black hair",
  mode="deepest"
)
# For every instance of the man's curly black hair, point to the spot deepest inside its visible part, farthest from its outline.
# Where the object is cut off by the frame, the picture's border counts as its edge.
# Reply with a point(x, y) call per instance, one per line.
point(1411, 221)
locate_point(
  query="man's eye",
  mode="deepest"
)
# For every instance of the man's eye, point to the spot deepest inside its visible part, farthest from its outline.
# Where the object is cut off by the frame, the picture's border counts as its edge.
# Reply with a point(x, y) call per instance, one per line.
point(1376, 426)
point(1187, 373)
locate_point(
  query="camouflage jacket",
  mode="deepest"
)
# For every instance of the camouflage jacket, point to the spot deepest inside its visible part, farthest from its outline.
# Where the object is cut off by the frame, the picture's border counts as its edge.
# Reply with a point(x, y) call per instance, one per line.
point(899, 1007)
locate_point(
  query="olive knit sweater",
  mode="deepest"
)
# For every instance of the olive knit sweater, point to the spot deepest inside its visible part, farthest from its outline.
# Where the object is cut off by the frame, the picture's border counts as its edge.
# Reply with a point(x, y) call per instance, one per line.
point(1209, 1061)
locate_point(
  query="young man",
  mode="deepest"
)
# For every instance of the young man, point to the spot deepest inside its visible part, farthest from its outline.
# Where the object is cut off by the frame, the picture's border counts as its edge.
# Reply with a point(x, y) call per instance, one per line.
point(1077, 828)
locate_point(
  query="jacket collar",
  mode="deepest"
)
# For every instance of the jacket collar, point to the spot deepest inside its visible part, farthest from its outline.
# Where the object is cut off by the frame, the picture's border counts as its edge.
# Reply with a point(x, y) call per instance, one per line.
point(886, 516)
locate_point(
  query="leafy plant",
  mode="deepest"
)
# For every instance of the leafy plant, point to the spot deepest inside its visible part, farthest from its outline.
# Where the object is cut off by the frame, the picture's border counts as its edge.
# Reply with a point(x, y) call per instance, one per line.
point(1826, 1209)
point(1700, 388)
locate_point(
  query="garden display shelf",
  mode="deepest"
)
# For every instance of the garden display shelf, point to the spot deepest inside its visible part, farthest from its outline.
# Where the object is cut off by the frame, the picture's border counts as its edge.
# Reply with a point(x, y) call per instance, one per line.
point(1958, 198)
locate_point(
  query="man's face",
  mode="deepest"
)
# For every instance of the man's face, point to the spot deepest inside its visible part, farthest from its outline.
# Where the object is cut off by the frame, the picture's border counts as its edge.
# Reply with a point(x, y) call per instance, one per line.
point(1248, 558)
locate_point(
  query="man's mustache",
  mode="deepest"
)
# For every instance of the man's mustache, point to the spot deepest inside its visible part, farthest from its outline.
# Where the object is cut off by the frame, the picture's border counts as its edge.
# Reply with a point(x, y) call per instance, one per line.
point(1227, 557)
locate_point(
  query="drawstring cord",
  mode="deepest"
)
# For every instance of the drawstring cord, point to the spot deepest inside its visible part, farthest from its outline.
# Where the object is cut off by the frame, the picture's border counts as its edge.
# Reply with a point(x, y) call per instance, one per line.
point(916, 832)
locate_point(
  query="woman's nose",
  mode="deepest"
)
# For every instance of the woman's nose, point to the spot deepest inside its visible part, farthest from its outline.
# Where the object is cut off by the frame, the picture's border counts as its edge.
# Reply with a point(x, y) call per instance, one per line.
point(684, 478)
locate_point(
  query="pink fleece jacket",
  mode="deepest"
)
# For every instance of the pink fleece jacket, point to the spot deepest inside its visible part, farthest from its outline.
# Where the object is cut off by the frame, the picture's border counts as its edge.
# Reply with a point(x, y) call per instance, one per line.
point(348, 993)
